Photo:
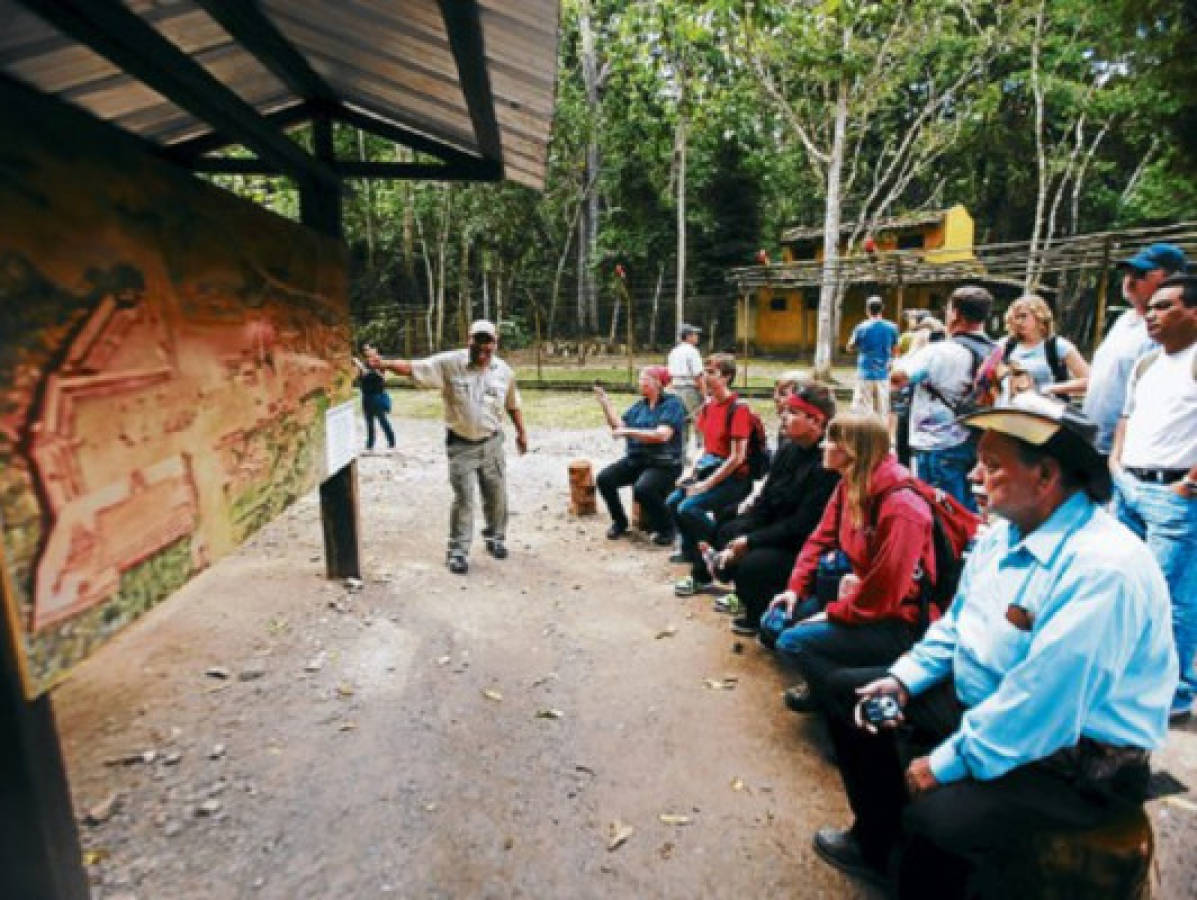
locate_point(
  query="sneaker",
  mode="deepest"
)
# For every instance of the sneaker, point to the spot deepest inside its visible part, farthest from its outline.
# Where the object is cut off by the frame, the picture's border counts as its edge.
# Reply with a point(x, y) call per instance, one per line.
point(689, 586)
point(678, 558)
point(457, 563)
point(616, 531)
point(798, 699)
point(741, 625)
point(728, 603)
point(840, 848)
point(663, 539)
point(496, 548)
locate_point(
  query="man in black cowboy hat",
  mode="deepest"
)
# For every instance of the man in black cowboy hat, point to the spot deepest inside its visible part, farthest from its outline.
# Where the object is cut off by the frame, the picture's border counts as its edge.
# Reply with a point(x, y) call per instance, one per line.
point(1040, 693)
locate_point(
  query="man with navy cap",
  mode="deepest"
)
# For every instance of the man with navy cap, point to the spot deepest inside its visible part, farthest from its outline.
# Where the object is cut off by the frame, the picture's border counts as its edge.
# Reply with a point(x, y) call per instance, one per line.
point(1127, 339)
point(477, 388)
point(1040, 693)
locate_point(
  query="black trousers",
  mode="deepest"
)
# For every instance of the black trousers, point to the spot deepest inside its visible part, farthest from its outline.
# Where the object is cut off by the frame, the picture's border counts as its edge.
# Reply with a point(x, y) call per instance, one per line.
point(942, 838)
point(759, 576)
point(651, 484)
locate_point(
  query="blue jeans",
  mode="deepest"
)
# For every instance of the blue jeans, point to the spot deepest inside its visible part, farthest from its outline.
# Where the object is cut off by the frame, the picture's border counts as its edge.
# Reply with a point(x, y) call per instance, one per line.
point(695, 517)
point(819, 649)
point(948, 470)
point(1168, 523)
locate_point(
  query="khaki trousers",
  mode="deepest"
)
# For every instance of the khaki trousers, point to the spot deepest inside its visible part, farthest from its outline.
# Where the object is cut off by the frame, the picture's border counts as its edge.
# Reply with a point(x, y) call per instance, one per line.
point(485, 462)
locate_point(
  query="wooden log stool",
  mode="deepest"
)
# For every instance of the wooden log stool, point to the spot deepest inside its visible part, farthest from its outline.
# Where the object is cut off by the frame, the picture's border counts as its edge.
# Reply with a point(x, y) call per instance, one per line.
point(1113, 860)
point(581, 488)
point(638, 521)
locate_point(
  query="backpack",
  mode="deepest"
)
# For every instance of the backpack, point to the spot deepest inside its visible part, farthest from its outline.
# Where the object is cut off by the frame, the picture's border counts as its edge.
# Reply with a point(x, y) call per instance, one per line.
point(758, 456)
point(953, 527)
point(983, 380)
point(1051, 349)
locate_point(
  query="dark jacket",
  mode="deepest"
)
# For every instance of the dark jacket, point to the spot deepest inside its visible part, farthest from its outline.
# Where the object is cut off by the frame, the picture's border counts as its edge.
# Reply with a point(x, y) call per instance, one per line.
point(790, 503)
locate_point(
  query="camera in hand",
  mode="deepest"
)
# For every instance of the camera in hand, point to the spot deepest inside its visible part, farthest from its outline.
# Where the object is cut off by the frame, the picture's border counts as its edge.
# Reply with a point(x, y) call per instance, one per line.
point(881, 709)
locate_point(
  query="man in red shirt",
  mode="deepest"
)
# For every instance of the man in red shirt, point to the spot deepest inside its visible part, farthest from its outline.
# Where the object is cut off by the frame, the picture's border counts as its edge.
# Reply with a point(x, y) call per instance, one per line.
point(720, 476)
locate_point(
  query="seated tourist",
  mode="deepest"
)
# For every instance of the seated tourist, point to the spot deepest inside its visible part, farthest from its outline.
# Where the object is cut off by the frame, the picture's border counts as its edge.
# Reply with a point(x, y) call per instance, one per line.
point(758, 547)
point(1041, 691)
point(653, 427)
point(720, 477)
point(885, 533)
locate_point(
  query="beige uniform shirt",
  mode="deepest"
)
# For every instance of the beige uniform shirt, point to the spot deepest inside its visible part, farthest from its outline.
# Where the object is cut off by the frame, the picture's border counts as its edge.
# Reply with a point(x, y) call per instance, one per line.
point(475, 399)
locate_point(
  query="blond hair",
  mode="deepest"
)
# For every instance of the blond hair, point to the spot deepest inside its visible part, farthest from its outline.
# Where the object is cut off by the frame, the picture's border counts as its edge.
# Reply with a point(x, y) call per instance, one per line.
point(865, 439)
point(1037, 307)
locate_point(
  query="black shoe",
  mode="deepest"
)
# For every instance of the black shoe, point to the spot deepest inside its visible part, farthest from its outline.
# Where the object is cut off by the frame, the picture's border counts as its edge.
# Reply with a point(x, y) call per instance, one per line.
point(663, 539)
point(839, 848)
point(743, 625)
point(457, 563)
point(496, 548)
point(616, 531)
point(678, 558)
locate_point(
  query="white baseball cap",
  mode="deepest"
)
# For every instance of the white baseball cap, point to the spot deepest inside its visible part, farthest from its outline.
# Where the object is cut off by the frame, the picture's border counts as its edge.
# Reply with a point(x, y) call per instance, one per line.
point(482, 326)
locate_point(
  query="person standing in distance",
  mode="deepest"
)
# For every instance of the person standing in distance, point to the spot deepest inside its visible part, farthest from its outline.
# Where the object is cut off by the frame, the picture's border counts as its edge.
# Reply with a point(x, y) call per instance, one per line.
point(874, 341)
point(685, 376)
point(1127, 339)
point(476, 387)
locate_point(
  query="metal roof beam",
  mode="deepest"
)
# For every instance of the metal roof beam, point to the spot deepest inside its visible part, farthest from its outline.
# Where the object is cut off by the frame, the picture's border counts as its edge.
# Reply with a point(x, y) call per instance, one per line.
point(186, 150)
point(473, 170)
point(392, 131)
point(464, 28)
point(257, 34)
point(133, 45)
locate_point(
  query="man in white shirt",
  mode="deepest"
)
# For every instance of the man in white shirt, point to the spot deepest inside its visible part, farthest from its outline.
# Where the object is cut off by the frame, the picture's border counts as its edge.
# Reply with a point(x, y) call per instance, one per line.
point(476, 387)
point(1127, 339)
point(685, 375)
point(1154, 462)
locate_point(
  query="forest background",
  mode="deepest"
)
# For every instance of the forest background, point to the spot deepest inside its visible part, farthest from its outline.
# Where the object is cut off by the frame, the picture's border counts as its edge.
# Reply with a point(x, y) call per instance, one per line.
point(687, 135)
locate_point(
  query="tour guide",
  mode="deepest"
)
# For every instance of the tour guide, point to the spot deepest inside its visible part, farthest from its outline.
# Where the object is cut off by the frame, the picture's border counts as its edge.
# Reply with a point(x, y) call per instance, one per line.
point(476, 387)
point(1042, 689)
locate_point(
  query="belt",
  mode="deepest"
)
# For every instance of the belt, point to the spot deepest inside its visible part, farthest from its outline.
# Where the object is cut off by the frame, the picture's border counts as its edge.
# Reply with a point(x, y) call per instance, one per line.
point(1157, 476)
point(452, 437)
point(1095, 761)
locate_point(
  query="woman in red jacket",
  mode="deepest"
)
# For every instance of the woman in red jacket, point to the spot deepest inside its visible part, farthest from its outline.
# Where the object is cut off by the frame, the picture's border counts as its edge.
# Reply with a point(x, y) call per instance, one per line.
point(885, 532)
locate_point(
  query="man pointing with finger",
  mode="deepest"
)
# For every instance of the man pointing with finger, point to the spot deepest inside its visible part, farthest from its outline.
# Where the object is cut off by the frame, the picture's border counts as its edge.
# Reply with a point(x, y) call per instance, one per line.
point(477, 388)
point(1039, 694)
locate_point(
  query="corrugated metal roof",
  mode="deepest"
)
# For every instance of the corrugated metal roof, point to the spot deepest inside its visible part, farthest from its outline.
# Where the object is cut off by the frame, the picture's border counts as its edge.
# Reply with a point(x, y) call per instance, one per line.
point(893, 223)
point(390, 58)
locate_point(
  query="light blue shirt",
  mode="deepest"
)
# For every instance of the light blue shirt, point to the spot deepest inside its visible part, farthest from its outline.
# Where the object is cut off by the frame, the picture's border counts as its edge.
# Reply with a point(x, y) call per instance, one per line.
point(1098, 661)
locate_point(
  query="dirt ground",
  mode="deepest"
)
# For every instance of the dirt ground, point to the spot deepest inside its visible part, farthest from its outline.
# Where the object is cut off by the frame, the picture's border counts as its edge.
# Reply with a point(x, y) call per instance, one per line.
point(429, 735)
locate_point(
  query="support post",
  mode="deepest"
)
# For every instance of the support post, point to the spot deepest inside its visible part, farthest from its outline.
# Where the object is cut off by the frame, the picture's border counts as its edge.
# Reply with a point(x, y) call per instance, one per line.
point(341, 524)
point(320, 208)
point(899, 298)
point(1103, 287)
point(39, 840)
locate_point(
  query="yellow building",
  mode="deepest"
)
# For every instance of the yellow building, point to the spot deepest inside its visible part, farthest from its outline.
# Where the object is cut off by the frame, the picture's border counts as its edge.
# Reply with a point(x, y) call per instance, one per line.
point(912, 262)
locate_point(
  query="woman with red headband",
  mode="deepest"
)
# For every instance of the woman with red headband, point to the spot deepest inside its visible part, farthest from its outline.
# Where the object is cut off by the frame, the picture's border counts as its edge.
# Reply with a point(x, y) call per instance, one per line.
point(760, 545)
point(652, 464)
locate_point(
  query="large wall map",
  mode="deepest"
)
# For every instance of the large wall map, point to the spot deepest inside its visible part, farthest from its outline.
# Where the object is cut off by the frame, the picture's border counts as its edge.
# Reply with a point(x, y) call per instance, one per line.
point(167, 353)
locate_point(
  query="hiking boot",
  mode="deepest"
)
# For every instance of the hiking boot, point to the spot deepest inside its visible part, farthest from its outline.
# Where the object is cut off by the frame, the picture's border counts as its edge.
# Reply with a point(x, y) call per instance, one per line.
point(496, 548)
point(840, 849)
point(742, 625)
point(616, 531)
point(689, 586)
point(457, 562)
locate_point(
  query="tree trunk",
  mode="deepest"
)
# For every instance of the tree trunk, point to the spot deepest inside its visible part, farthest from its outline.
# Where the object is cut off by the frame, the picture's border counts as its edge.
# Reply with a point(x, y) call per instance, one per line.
point(588, 237)
point(368, 197)
point(652, 325)
point(1032, 272)
point(465, 310)
point(825, 336)
point(485, 286)
point(680, 291)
